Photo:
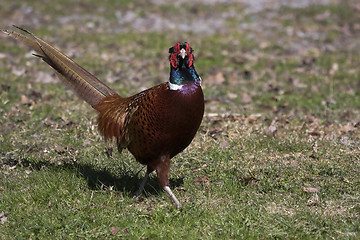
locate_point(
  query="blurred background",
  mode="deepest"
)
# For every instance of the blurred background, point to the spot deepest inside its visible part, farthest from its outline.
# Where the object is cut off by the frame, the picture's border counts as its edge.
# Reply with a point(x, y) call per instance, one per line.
point(254, 56)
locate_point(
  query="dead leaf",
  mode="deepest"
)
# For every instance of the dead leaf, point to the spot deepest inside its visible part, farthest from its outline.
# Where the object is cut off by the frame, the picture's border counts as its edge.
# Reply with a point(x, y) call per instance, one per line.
point(310, 189)
point(202, 181)
point(346, 180)
point(314, 132)
point(296, 82)
point(264, 44)
point(12, 167)
point(18, 72)
point(218, 78)
point(314, 153)
point(198, 169)
point(347, 141)
point(347, 128)
point(60, 149)
point(314, 89)
point(314, 200)
point(271, 130)
point(66, 124)
point(248, 179)
point(3, 217)
point(334, 68)
point(25, 100)
point(215, 132)
point(86, 143)
point(114, 230)
point(323, 16)
point(150, 208)
point(232, 95)
point(246, 98)
point(252, 118)
point(45, 77)
point(224, 144)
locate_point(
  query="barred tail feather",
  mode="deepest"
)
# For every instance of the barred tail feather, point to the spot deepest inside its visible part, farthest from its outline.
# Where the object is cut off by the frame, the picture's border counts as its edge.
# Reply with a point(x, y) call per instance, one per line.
point(86, 85)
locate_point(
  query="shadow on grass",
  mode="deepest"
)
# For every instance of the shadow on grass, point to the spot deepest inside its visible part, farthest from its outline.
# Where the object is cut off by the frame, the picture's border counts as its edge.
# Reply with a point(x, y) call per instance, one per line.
point(97, 179)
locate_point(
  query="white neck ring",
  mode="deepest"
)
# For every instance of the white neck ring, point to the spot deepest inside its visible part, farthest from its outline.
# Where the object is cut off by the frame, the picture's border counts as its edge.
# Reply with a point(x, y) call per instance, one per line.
point(173, 86)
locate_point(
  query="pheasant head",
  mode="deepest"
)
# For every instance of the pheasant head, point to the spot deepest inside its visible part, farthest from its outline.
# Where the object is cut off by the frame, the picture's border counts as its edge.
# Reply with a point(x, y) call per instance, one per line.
point(182, 66)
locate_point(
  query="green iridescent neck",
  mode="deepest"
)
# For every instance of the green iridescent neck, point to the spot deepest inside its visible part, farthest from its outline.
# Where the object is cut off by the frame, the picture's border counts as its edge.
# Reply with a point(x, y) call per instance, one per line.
point(183, 75)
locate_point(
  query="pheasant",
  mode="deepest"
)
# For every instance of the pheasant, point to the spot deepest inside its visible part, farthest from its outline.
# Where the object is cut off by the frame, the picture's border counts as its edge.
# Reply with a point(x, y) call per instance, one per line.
point(155, 124)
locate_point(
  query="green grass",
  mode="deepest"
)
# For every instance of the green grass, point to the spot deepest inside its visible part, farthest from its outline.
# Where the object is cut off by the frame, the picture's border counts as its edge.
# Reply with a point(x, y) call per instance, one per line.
point(282, 165)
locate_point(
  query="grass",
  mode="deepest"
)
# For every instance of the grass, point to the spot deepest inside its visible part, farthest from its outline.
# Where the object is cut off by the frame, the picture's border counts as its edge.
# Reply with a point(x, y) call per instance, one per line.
point(276, 156)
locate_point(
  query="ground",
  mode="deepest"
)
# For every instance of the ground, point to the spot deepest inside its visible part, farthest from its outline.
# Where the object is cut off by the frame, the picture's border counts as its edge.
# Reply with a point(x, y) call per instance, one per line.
point(278, 151)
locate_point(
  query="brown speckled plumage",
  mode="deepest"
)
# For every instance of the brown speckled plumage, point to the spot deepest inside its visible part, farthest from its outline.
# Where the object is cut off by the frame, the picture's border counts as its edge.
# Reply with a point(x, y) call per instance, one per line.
point(155, 124)
point(163, 122)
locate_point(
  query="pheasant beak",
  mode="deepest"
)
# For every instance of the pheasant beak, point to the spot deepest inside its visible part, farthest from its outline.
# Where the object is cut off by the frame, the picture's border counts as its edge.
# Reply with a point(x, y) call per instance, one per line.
point(183, 53)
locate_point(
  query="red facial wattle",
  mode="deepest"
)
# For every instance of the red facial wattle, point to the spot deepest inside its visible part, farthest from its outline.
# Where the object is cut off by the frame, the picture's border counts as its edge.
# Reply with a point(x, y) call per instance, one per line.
point(188, 52)
point(176, 52)
point(173, 57)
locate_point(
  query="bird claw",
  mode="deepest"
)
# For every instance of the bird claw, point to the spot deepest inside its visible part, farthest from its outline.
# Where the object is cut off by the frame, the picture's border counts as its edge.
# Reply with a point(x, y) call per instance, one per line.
point(172, 196)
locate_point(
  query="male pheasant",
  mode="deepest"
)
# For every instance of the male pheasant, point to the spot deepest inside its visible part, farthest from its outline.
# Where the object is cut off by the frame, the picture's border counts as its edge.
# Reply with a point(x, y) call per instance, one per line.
point(155, 124)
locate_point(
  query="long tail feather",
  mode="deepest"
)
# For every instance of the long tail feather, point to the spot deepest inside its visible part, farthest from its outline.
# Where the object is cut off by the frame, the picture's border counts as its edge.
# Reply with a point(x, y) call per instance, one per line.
point(86, 85)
